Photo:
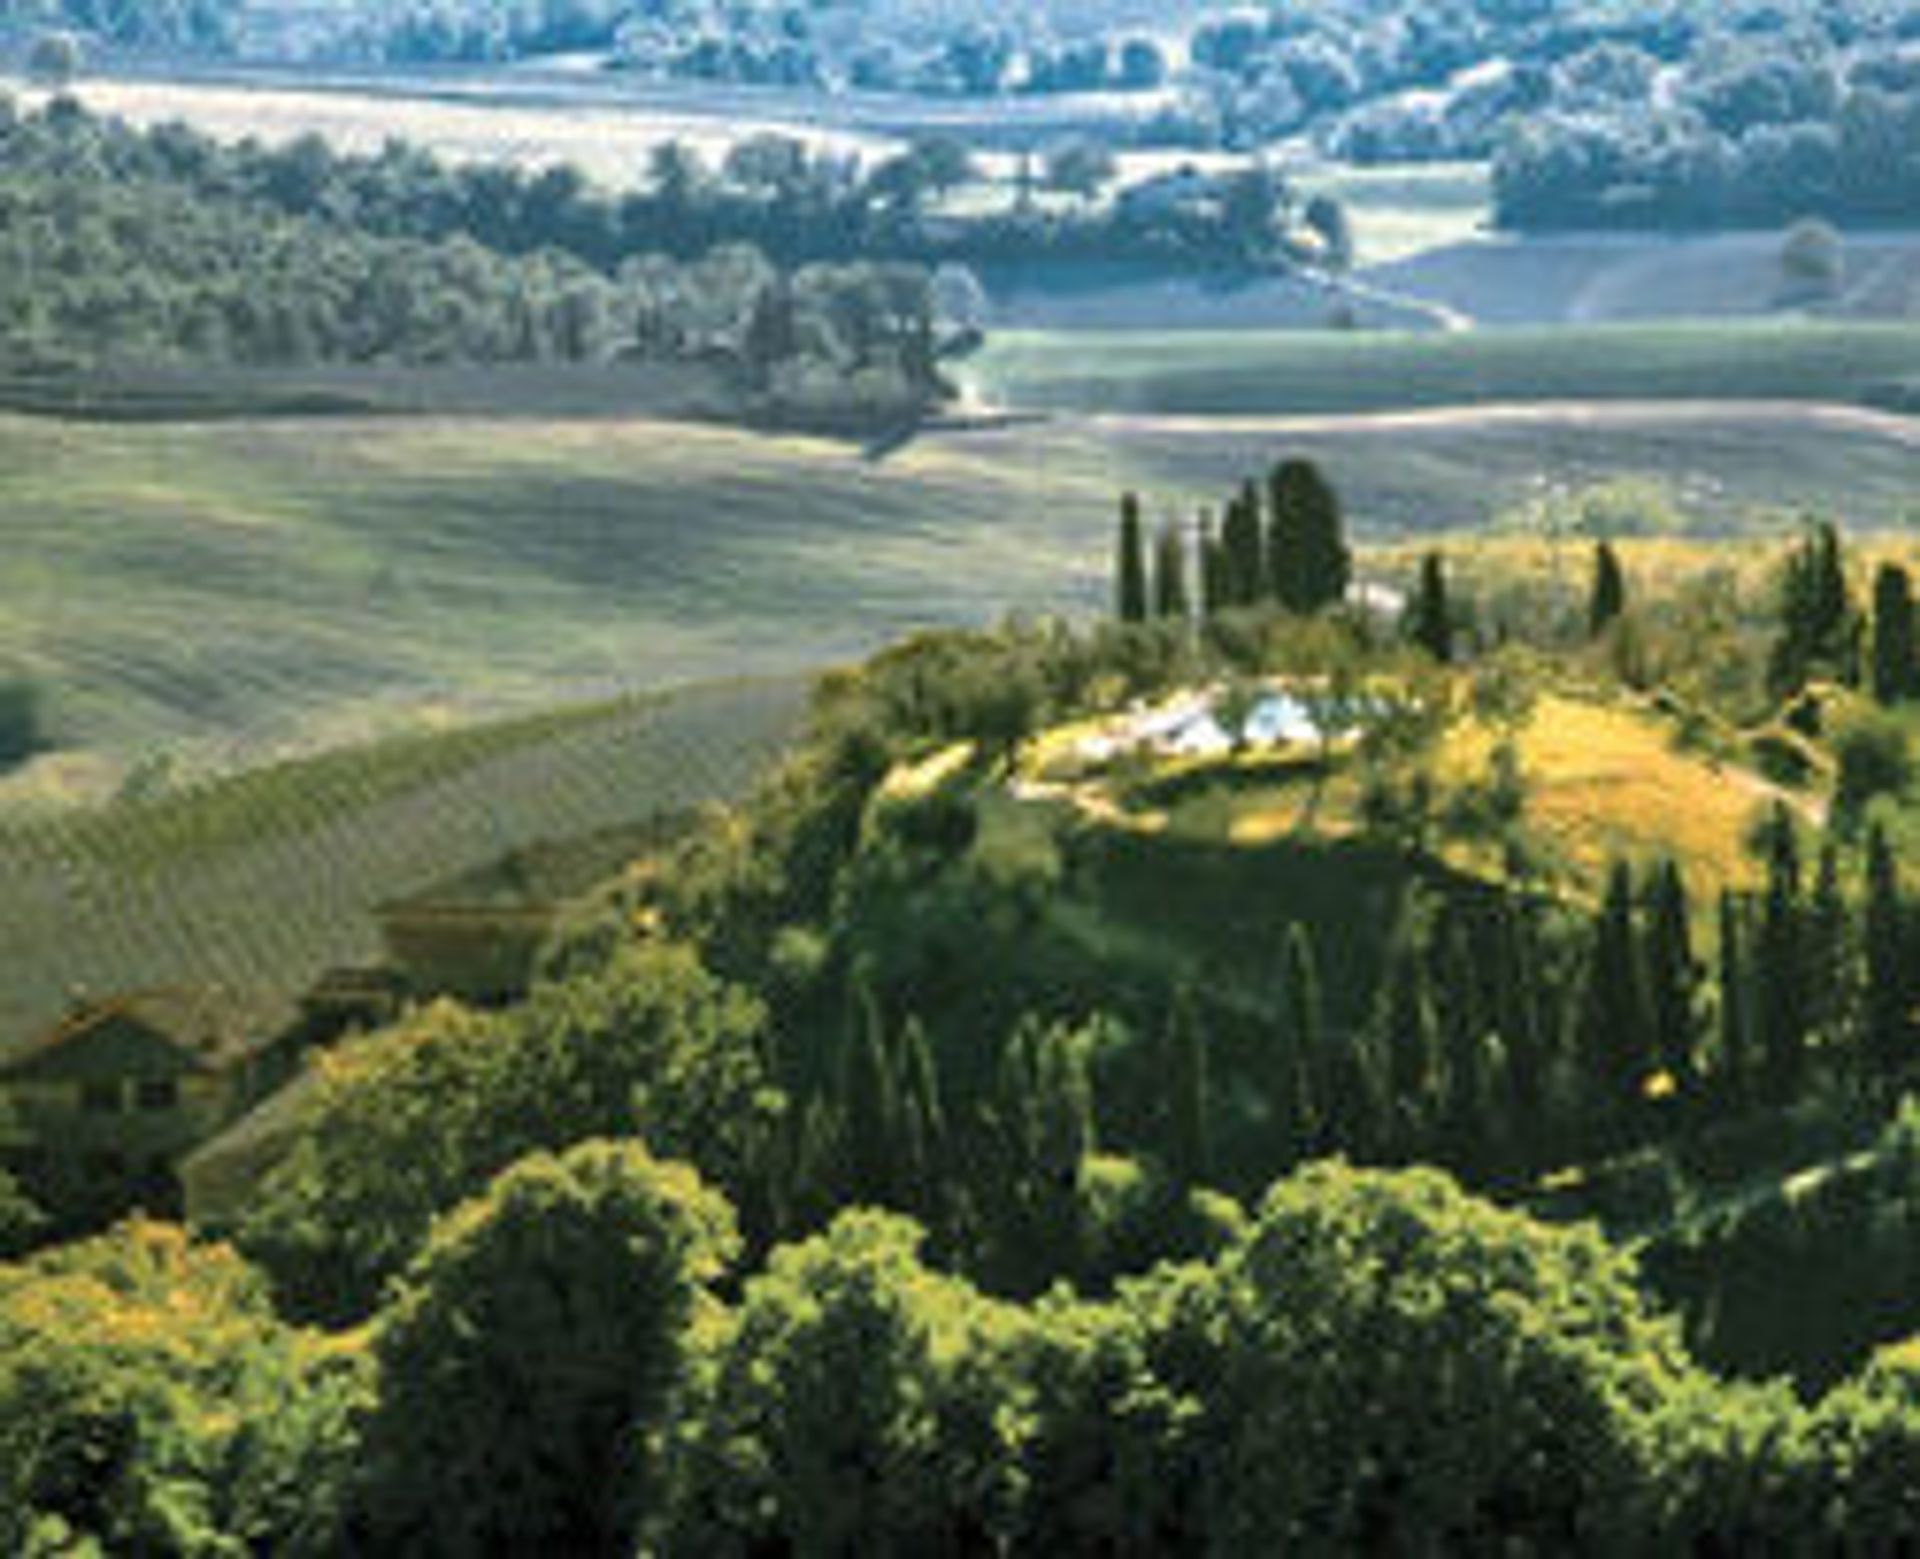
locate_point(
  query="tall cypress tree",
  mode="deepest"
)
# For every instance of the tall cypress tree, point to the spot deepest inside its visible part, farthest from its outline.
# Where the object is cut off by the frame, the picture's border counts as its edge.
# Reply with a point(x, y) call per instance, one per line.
point(1170, 599)
point(1780, 996)
point(1829, 979)
point(1614, 1032)
point(1297, 1069)
point(1130, 586)
point(1817, 627)
point(1215, 594)
point(1430, 617)
point(1406, 1030)
point(1737, 1062)
point(869, 1104)
point(1310, 564)
point(1189, 1097)
point(923, 1125)
point(1673, 976)
point(1471, 1122)
point(1896, 664)
point(1832, 605)
point(1241, 545)
point(1608, 598)
point(1888, 1037)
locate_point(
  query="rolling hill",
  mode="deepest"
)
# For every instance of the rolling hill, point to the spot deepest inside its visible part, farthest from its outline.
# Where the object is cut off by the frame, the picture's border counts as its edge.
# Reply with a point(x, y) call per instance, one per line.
point(212, 596)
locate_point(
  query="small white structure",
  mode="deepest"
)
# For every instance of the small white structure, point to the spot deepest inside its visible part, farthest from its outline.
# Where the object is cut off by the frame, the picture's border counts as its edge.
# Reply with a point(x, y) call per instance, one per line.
point(1189, 726)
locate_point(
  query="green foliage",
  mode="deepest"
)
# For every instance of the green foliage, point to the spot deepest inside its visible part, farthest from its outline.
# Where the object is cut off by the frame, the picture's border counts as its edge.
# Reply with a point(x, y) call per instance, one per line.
point(151, 1402)
point(21, 733)
point(1398, 1366)
point(1873, 756)
point(1896, 656)
point(1131, 574)
point(410, 1122)
point(1309, 562)
point(856, 1401)
point(1429, 617)
point(1609, 595)
point(1819, 632)
point(1171, 598)
point(532, 1358)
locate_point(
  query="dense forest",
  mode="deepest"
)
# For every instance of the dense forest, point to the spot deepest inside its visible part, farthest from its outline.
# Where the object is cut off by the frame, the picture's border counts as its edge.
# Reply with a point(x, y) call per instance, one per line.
point(970, 1217)
point(125, 248)
point(1685, 115)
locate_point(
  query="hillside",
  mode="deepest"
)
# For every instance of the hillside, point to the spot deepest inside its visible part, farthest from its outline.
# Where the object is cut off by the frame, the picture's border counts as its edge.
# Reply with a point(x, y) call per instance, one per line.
point(1277, 373)
point(262, 882)
point(344, 578)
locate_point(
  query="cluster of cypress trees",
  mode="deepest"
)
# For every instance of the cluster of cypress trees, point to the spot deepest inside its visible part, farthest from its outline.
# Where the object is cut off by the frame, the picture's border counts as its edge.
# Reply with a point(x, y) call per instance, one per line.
point(1819, 629)
point(1286, 545)
point(1504, 1038)
point(1822, 632)
point(1896, 657)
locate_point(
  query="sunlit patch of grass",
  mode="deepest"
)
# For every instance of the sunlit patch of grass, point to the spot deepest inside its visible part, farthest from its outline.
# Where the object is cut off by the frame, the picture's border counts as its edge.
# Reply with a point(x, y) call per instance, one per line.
point(1604, 781)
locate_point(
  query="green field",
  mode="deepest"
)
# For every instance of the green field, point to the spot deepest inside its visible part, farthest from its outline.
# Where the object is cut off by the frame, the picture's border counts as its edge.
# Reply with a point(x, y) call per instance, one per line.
point(1284, 373)
point(261, 882)
point(218, 595)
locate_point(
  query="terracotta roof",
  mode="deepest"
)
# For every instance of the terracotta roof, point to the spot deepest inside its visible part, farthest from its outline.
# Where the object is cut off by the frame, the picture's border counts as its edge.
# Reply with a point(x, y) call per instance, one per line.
point(213, 1024)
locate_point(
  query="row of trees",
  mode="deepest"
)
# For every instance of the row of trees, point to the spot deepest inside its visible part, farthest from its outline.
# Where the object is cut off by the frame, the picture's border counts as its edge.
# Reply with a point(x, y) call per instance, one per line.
point(1754, 136)
point(796, 203)
point(569, 1364)
point(112, 253)
point(1287, 546)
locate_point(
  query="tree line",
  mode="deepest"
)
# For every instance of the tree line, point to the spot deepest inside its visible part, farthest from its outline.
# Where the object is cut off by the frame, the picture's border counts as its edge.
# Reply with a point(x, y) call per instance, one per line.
point(129, 248)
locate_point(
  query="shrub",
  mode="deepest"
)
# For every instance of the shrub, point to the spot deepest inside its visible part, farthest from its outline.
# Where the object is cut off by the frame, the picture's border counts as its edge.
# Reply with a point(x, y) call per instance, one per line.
point(534, 1354)
point(1874, 756)
point(20, 729)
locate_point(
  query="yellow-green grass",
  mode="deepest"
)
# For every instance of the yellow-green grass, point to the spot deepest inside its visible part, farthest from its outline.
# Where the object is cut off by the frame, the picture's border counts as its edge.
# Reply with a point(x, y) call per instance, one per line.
point(263, 881)
point(229, 593)
point(1282, 373)
point(1606, 782)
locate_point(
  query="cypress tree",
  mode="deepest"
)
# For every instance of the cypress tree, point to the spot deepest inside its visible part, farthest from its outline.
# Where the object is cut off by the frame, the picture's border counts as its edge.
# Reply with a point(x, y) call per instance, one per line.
point(1613, 1036)
point(922, 1120)
point(1832, 609)
point(1519, 984)
point(1470, 1119)
point(1736, 1060)
point(1430, 618)
point(1131, 571)
point(1406, 1031)
point(1673, 976)
point(1829, 980)
point(1779, 1014)
point(1609, 596)
point(1240, 542)
point(1189, 1129)
point(1215, 595)
point(1170, 599)
point(1817, 628)
point(1309, 561)
point(1888, 1038)
point(869, 1104)
point(1040, 1129)
point(1297, 1069)
point(1896, 667)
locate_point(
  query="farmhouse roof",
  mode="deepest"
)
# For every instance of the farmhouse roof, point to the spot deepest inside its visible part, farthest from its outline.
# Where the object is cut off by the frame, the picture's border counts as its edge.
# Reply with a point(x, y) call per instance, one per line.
point(180, 1028)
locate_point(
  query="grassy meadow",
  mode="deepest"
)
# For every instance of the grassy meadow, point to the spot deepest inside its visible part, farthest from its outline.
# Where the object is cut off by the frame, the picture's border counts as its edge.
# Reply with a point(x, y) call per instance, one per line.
point(1295, 373)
